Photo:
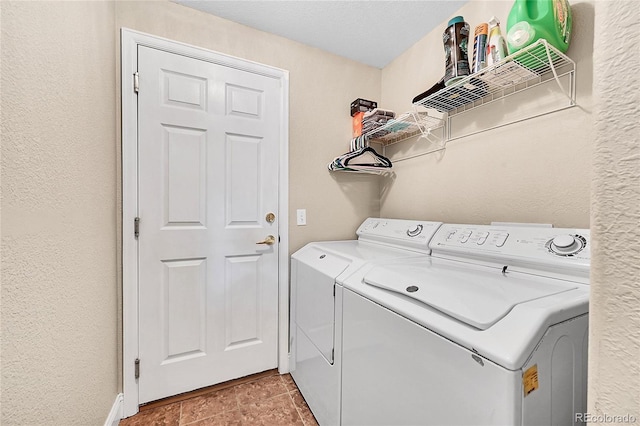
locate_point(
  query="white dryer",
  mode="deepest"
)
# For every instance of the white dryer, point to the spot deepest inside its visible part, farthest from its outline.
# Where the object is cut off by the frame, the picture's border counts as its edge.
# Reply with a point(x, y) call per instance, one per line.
point(316, 307)
point(491, 329)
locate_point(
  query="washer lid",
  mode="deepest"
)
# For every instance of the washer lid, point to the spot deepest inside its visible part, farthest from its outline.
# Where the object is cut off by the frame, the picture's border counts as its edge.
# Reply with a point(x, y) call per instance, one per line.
point(347, 256)
point(478, 296)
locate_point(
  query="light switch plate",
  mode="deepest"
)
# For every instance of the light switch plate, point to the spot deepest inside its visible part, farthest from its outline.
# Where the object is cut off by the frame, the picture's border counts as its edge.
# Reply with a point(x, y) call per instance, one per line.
point(301, 217)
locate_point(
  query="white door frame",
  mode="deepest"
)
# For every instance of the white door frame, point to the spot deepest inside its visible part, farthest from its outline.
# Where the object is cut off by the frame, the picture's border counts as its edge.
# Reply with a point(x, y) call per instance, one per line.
point(130, 40)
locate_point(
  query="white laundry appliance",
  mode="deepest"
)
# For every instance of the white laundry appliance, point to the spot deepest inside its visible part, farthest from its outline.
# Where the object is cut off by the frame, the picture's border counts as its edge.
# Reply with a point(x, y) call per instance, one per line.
point(491, 329)
point(316, 307)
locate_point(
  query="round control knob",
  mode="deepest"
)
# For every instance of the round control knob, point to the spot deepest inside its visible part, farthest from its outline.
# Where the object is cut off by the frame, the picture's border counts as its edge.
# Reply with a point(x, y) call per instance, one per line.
point(566, 245)
point(415, 231)
point(563, 241)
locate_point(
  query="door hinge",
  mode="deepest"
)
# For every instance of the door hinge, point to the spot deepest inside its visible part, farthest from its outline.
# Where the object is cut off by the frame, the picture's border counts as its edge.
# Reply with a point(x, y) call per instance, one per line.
point(333, 355)
point(137, 368)
point(136, 227)
point(136, 82)
point(334, 290)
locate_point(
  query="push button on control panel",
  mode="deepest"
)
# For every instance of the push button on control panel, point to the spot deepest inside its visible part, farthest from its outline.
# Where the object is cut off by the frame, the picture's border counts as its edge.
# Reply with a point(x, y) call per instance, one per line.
point(464, 237)
point(501, 239)
point(498, 238)
point(482, 237)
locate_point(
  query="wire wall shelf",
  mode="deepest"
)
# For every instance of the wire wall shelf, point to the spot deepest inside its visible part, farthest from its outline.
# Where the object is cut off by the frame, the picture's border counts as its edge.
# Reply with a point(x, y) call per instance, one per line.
point(527, 68)
point(406, 126)
point(431, 119)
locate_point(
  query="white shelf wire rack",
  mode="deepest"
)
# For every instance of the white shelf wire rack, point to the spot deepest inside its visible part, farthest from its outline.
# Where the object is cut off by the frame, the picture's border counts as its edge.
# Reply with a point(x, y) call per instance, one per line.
point(529, 67)
point(537, 64)
point(407, 125)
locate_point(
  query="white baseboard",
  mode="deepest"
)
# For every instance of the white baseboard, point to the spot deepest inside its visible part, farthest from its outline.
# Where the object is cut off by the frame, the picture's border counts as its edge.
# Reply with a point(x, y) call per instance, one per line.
point(116, 412)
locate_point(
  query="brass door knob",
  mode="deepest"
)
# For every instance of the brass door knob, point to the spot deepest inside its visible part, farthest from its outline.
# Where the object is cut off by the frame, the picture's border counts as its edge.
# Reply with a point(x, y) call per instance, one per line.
point(269, 240)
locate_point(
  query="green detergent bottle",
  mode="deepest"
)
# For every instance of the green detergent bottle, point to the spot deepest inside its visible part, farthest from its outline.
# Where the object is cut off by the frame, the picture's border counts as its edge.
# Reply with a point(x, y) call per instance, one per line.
point(530, 20)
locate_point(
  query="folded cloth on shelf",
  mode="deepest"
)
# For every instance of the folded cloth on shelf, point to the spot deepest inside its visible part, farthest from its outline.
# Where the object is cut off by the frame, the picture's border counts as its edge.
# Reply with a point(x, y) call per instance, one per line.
point(396, 126)
point(378, 112)
point(372, 125)
point(377, 132)
point(376, 118)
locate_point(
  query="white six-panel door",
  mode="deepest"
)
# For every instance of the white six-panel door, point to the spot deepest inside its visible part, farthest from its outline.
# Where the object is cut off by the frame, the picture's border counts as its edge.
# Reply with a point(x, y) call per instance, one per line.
point(208, 177)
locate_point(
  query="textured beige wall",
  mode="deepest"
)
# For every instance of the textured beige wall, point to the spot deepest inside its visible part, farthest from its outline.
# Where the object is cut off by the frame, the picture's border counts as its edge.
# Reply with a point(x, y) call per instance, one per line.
point(59, 305)
point(533, 171)
point(321, 88)
point(60, 176)
point(614, 341)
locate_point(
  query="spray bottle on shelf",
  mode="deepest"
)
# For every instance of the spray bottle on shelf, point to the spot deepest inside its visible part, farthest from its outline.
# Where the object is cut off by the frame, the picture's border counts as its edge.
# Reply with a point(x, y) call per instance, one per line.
point(497, 45)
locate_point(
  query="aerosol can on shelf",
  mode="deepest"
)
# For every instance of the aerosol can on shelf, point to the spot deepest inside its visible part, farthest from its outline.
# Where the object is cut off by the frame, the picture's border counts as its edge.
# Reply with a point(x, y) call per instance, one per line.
point(497, 45)
point(456, 40)
point(480, 47)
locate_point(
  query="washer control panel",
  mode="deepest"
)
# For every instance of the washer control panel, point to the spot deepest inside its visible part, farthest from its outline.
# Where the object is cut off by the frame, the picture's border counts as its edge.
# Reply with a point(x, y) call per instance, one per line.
point(400, 232)
point(515, 244)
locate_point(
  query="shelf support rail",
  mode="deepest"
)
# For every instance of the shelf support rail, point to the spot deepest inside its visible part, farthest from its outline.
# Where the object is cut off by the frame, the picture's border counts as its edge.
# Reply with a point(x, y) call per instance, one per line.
point(572, 89)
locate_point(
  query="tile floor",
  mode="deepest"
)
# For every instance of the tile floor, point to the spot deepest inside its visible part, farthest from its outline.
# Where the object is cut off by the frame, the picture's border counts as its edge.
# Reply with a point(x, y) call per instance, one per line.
point(273, 400)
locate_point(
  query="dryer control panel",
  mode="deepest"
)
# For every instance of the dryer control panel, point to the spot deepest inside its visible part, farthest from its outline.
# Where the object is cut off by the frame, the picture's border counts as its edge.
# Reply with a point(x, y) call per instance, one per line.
point(410, 234)
point(533, 247)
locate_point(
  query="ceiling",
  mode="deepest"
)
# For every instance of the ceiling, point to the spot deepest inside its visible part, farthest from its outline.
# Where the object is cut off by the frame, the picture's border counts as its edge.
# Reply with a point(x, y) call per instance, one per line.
point(373, 32)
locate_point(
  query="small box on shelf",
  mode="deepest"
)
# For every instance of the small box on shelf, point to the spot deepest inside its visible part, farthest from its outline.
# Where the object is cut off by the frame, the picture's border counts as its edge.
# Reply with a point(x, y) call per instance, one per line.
point(362, 105)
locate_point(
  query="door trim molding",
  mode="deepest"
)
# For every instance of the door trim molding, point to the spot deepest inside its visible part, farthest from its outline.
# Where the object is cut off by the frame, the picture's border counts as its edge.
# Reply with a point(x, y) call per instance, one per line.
point(130, 40)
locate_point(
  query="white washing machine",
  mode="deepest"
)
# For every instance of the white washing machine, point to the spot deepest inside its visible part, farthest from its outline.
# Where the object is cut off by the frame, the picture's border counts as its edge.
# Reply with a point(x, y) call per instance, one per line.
point(491, 329)
point(316, 307)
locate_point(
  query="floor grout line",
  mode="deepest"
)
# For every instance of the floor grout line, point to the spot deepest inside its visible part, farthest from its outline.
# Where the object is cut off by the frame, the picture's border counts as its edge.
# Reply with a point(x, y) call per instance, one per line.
point(290, 393)
point(296, 408)
point(235, 394)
